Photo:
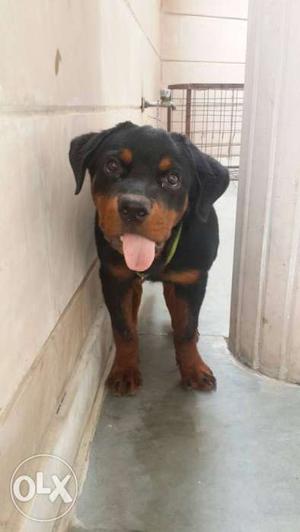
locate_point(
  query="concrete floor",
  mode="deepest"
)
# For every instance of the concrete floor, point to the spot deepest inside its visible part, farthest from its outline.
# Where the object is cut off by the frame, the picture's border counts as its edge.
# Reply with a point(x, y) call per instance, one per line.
point(169, 460)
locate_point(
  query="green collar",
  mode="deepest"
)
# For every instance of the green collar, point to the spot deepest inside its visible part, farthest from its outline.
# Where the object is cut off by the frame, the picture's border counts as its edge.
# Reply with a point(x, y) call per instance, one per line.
point(174, 245)
point(171, 253)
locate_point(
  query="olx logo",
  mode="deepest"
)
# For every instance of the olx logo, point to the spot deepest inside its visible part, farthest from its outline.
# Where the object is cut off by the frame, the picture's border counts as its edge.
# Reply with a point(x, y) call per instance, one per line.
point(44, 488)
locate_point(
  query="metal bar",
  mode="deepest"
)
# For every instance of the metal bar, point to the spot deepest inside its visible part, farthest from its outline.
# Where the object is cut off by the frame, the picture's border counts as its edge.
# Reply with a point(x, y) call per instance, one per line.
point(199, 86)
point(169, 119)
point(188, 112)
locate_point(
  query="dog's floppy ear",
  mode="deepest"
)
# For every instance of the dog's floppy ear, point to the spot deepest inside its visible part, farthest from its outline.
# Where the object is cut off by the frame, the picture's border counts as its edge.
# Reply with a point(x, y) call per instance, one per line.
point(82, 149)
point(211, 178)
point(214, 180)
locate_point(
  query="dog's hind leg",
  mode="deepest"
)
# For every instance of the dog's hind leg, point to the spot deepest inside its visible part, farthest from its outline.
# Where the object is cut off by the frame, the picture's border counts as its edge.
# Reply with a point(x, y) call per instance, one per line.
point(123, 299)
point(184, 302)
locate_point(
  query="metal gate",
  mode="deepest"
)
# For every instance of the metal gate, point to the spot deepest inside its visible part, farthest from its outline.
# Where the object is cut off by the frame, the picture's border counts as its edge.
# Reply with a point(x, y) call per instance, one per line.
point(211, 116)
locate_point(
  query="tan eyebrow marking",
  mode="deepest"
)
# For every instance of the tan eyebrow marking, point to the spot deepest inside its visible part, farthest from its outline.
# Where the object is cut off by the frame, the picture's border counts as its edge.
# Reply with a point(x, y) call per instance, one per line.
point(165, 163)
point(126, 156)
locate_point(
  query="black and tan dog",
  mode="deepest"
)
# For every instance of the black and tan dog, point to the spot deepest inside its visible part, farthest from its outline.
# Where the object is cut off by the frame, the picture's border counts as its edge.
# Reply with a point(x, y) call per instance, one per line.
point(153, 193)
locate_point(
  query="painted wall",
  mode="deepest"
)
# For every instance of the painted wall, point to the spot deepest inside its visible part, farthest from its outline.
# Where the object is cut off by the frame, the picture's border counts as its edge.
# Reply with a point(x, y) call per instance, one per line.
point(265, 311)
point(203, 41)
point(67, 67)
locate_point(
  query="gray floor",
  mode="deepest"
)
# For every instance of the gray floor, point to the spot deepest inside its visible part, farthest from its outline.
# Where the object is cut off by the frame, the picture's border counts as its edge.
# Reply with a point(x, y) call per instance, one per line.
point(174, 461)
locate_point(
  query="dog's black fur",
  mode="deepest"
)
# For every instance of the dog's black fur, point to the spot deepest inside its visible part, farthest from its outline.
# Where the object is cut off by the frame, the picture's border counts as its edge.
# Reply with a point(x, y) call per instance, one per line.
point(142, 162)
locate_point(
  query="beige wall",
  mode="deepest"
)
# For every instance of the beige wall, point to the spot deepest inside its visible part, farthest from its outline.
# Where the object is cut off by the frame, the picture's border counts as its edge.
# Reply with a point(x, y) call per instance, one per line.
point(265, 312)
point(203, 41)
point(67, 67)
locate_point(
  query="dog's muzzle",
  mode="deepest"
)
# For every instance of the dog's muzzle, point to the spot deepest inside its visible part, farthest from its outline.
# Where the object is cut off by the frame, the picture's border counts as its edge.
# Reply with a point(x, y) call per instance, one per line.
point(133, 208)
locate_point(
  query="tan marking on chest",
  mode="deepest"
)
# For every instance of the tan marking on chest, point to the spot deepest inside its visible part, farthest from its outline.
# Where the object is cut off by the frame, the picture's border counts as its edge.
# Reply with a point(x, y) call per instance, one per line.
point(120, 271)
point(184, 277)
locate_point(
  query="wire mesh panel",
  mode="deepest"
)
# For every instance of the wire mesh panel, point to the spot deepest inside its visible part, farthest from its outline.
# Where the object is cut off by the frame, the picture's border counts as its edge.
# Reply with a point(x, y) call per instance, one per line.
point(211, 116)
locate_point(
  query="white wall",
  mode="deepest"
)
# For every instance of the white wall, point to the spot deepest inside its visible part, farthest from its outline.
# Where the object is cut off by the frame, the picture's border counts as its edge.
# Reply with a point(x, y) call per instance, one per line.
point(265, 314)
point(67, 67)
point(203, 41)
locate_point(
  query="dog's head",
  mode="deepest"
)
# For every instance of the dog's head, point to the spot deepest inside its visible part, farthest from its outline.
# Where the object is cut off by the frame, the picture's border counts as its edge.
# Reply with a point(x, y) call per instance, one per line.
point(143, 181)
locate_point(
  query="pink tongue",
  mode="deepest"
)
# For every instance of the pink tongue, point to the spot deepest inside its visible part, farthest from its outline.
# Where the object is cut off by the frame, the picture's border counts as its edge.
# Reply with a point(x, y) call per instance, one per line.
point(139, 252)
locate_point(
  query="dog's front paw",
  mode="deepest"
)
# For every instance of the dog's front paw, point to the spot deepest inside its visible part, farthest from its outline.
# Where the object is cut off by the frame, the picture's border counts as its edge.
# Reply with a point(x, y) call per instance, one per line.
point(198, 376)
point(124, 380)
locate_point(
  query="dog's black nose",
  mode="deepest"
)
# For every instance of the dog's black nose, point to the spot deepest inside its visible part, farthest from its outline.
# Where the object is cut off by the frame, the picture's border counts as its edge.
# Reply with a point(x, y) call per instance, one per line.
point(133, 208)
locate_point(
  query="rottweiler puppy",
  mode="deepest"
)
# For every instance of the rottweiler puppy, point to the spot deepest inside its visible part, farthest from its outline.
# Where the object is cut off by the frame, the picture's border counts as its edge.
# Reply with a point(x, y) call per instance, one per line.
point(154, 193)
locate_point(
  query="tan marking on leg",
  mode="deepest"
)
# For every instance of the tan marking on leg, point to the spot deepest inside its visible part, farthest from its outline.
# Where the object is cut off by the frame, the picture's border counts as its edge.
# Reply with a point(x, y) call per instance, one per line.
point(125, 377)
point(194, 372)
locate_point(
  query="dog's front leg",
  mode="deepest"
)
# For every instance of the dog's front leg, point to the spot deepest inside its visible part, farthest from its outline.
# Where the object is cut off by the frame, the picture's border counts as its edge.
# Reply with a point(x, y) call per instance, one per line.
point(184, 302)
point(122, 298)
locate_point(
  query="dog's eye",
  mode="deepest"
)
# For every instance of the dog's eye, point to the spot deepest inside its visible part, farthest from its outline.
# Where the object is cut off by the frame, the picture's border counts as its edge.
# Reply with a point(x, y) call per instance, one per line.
point(112, 167)
point(170, 181)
